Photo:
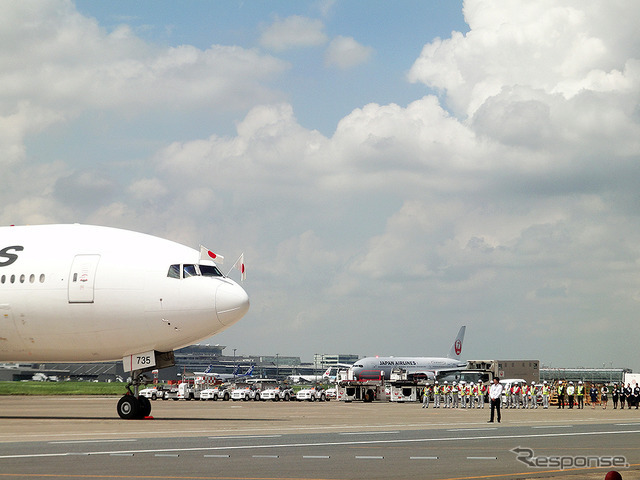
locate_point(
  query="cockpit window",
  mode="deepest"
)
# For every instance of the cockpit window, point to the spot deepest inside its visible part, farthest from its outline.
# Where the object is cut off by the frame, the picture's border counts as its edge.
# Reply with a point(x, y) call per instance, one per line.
point(210, 271)
point(174, 271)
point(189, 271)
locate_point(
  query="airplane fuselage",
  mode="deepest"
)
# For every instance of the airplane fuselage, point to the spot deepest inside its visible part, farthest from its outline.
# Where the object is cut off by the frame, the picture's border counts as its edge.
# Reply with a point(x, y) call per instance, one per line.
point(381, 367)
point(76, 293)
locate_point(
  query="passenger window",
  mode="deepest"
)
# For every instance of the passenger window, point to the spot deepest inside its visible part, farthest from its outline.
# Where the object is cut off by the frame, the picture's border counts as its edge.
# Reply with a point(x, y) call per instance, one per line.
point(189, 271)
point(174, 271)
point(210, 271)
point(42, 278)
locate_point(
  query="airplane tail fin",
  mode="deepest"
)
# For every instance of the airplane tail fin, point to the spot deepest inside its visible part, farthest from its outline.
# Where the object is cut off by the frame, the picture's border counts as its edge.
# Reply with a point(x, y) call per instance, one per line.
point(249, 372)
point(456, 348)
point(327, 373)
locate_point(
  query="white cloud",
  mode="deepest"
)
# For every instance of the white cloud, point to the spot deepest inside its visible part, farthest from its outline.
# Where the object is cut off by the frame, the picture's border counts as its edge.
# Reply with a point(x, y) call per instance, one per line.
point(62, 63)
point(293, 32)
point(510, 202)
point(345, 52)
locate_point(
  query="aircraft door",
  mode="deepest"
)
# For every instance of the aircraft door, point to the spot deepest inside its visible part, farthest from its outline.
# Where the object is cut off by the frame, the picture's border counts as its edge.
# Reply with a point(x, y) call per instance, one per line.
point(10, 340)
point(82, 278)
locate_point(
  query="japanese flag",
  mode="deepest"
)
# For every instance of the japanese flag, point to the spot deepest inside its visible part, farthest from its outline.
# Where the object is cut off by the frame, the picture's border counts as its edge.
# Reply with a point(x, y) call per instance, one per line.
point(240, 266)
point(206, 254)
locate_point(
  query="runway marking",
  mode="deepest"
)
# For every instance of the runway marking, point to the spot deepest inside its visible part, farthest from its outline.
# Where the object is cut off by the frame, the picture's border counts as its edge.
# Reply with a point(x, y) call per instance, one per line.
point(325, 444)
point(265, 456)
point(482, 458)
point(470, 429)
point(62, 442)
point(217, 456)
point(368, 433)
point(424, 458)
point(369, 457)
point(627, 424)
point(241, 437)
point(316, 456)
point(553, 426)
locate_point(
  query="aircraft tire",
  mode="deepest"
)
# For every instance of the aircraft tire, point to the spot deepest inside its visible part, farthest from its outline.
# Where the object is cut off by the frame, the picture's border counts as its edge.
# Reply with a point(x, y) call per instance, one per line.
point(144, 407)
point(128, 407)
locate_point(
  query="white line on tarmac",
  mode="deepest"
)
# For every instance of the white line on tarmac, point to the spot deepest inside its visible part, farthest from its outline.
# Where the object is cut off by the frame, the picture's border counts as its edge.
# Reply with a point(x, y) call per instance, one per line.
point(325, 444)
point(61, 442)
point(367, 433)
point(553, 426)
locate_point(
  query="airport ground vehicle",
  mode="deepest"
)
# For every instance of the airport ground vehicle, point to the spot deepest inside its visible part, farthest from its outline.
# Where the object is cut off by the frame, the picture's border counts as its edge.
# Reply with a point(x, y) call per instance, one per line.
point(245, 393)
point(153, 393)
point(216, 393)
point(277, 393)
point(332, 393)
point(311, 394)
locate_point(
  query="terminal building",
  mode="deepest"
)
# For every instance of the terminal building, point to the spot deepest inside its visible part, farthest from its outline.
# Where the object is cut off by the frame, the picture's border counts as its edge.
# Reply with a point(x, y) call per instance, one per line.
point(591, 375)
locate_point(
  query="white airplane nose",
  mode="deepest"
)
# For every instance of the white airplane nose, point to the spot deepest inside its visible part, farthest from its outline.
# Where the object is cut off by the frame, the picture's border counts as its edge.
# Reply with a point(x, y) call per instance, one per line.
point(232, 302)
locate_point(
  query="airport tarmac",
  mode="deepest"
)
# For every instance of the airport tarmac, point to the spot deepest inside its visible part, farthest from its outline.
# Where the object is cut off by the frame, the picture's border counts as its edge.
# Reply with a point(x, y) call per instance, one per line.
point(82, 437)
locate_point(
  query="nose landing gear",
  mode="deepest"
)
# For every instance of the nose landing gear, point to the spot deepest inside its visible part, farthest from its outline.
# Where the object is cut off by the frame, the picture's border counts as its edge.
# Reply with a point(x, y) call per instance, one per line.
point(132, 405)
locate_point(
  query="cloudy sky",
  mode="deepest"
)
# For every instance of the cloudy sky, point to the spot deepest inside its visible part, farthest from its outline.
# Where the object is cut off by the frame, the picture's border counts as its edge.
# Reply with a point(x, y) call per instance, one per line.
point(390, 173)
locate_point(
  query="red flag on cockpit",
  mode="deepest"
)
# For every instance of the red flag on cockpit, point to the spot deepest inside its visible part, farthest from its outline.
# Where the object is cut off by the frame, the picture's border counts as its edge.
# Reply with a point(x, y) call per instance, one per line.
point(206, 254)
point(240, 266)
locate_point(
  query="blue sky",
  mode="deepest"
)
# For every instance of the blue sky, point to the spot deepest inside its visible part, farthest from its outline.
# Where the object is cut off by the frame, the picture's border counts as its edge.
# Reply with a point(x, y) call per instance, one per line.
point(391, 172)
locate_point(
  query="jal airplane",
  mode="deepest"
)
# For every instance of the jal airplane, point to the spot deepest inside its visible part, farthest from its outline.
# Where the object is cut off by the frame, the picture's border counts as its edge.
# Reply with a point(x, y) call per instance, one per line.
point(80, 293)
point(375, 368)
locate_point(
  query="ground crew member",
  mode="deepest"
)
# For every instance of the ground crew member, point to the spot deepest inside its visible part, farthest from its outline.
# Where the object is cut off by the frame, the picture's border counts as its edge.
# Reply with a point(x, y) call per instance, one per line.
point(526, 393)
point(615, 394)
point(580, 394)
point(468, 392)
point(561, 390)
point(446, 390)
point(627, 395)
point(515, 395)
point(436, 395)
point(425, 397)
point(454, 395)
point(482, 391)
point(545, 394)
point(604, 392)
point(570, 392)
point(533, 397)
point(472, 395)
point(463, 394)
point(507, 397)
